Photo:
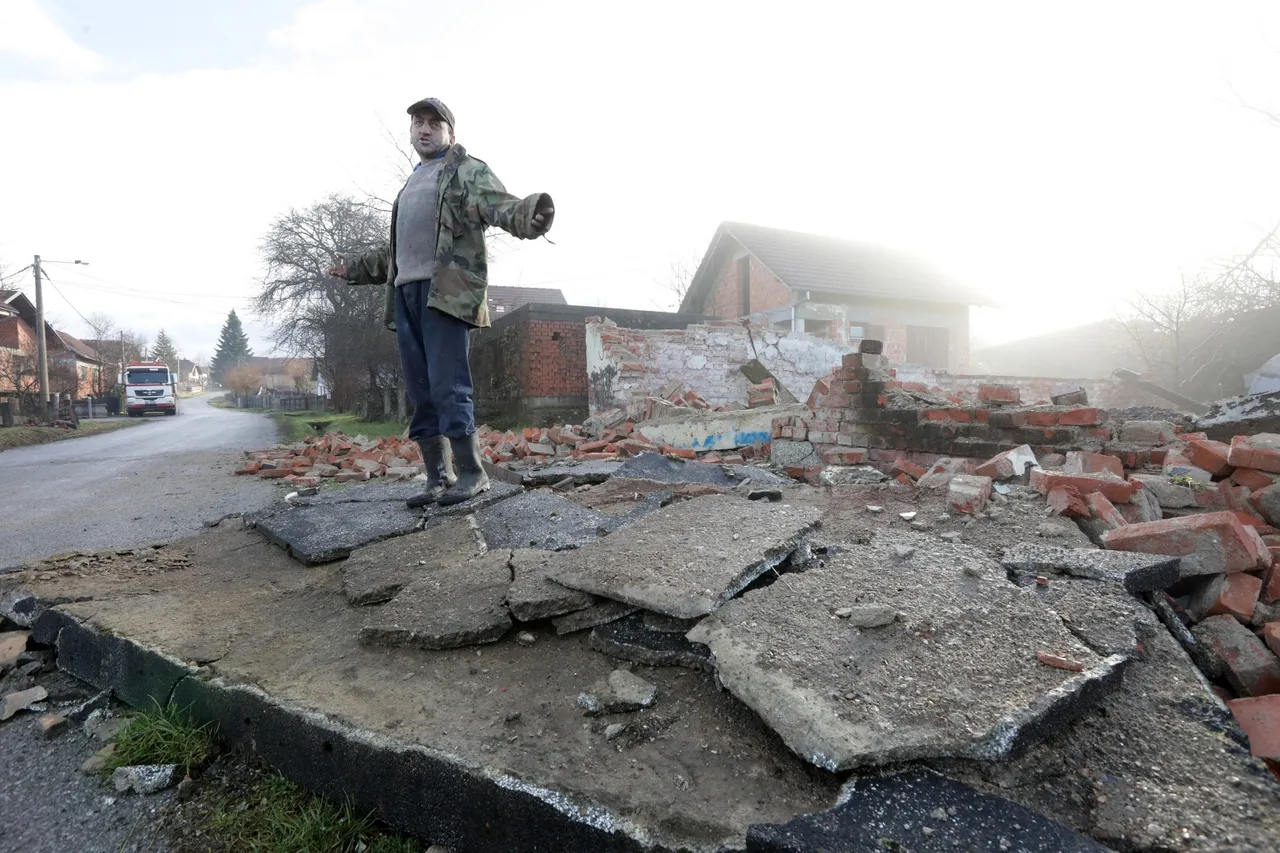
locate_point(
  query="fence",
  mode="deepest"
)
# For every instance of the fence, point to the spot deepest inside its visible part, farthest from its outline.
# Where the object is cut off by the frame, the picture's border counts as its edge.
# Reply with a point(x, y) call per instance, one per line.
point(278, 403)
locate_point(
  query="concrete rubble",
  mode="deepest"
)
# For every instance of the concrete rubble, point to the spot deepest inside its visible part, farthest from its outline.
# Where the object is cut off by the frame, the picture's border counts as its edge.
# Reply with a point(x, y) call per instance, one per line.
point(902, 618)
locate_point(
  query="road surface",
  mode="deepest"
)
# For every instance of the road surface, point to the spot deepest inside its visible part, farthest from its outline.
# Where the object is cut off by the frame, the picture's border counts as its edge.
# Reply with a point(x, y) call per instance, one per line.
point(151, 483)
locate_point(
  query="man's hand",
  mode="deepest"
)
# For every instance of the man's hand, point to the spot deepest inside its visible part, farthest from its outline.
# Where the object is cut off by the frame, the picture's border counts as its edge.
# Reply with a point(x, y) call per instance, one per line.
point(543, 215)
point(339, 270)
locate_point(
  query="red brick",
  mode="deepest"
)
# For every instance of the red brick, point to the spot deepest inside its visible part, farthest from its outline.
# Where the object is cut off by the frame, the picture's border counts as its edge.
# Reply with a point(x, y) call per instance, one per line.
point(851, 360)
point(1084, 462)
point(1271, 583)
point(1212, 456)
point(1218, 539)
point(910, 469)
point(681, 452)
point(1270, 635)
point(249, 468)
point(596, 457)
point(1267, 503)
point(968, 494)
point(844, 456)
point(352, 476)
point(1253, 479)
point(1042, 419)
point(999, 394)
point(1067, 500)
point(1116, 491)
point(1232, 595)
point(1248, 665)
point(1260, 451)
point(1059, 662)
point(1082, 417)
point(275, 473)
point(1104, 511)
point(936, 414)
point(1259, 716)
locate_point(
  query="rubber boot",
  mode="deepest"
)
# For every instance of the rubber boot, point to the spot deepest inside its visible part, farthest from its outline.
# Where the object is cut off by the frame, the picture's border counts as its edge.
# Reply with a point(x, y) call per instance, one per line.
point(436, 459)
point(472, 480)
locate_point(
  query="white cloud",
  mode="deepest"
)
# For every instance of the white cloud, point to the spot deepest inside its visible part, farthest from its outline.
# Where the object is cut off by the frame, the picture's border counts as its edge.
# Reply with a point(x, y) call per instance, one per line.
point(27, 31)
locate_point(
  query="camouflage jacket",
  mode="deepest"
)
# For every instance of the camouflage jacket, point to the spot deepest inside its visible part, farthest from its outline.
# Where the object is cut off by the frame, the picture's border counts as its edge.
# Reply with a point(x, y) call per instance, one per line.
point(471, 198)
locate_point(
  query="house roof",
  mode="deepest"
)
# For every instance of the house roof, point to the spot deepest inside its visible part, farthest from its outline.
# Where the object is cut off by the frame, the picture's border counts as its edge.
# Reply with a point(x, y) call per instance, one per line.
point(77, 346)
point(185, 367)
point(504, 300)
point(814, 262)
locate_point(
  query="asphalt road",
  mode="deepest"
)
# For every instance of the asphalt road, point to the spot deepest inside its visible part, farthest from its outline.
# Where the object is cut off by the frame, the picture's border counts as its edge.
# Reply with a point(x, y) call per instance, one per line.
point(155, 482)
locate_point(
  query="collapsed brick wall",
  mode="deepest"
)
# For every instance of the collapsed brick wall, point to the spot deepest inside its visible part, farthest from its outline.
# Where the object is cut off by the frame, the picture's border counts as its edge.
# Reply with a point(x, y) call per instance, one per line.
point(863, 413)
point(624, 366)
point(1103, 393)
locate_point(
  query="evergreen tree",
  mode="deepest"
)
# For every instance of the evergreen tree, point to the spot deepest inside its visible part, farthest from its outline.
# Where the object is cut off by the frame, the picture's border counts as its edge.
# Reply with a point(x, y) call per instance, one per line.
point(164, 350)
point(233, 349)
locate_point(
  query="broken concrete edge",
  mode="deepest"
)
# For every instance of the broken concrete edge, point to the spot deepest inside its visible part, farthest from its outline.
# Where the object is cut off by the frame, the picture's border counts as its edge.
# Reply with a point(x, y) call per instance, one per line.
point(336, 760)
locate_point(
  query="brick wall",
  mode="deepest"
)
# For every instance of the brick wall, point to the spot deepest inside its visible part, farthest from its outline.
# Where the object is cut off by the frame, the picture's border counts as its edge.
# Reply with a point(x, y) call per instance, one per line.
point(626, 365)
point(725, 297)
point(553, 358)
point(1103, 393)
point(15, 334)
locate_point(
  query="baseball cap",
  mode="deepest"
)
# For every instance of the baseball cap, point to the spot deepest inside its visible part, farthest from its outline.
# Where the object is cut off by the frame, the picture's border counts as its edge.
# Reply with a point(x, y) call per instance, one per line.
point(437, 106)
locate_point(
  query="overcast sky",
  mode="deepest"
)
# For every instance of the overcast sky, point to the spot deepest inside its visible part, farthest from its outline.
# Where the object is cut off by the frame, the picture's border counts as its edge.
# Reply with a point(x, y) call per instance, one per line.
point(1058, 156)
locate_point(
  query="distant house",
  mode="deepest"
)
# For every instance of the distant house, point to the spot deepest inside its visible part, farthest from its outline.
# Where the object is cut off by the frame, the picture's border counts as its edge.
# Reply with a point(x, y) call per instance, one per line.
point(190, 373)
point(504, 300)
point(838, 289)
point(74, 366)
point(285, 374)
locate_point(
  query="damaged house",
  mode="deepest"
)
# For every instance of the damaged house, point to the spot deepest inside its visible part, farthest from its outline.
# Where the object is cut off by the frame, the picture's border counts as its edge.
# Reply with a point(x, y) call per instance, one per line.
point(835, 289)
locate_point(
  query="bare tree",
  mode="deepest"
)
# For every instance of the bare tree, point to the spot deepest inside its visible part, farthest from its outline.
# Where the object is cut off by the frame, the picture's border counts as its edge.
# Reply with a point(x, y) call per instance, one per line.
point(677, 280)
point(1200, 338)
point(314, 314)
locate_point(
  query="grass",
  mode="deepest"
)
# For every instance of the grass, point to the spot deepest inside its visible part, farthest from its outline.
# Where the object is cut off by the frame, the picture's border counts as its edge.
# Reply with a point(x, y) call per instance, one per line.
point(164, 735)
point(21, 436)
point(293, 425)
point(279, 817)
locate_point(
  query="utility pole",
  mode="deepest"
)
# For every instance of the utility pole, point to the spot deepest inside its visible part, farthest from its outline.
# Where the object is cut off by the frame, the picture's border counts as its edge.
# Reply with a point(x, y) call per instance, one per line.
point(42, 352)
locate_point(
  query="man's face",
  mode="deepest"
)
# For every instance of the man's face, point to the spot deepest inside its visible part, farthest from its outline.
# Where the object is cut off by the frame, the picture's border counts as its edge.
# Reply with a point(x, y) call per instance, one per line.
point(429, 134)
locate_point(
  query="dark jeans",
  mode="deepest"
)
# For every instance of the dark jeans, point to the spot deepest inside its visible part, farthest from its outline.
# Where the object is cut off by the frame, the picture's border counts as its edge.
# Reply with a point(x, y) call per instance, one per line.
point(433, 352)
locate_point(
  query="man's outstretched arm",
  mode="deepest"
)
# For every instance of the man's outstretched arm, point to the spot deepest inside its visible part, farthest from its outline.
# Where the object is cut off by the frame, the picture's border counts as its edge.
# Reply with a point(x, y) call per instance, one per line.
point(489, 202)
point(369, 268)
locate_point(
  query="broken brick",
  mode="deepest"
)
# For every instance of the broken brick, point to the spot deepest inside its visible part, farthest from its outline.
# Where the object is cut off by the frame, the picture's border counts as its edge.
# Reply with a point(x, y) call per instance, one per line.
point(1067, 500)
point(1116, 490)
point(681, 452)
point(1212, 456)
point(1225, 595)
point(1104, 511)
point(1059, 662)
point(1260, 451)
point(249, 468)
point(1253, 479)
point(1008, 394)
point(968, 494)
point(1234, 653)
point(274, 473)
point(1147, 432)
point(1270, 635)
point(902, 466)
point(1271, 583)
point(844, 456)
point(1007, 465)
point(1082, 417)
point(1084, 462)
point(1217, 542)
point(1267, 502)
point(1259, 716)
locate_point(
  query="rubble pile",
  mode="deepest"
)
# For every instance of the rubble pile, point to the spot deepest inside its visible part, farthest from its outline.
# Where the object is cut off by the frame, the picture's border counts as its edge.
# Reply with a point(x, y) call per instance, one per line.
point(335, 456)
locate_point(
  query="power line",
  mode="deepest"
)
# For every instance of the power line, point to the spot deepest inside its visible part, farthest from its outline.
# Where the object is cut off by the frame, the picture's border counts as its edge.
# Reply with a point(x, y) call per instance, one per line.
point(49, 279)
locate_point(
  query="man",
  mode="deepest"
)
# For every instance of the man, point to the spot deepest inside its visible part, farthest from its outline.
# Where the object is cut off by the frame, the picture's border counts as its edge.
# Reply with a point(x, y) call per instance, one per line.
point(436, 279)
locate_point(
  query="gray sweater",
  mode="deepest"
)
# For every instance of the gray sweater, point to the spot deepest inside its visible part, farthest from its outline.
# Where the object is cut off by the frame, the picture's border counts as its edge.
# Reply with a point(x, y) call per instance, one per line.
point(416, 222)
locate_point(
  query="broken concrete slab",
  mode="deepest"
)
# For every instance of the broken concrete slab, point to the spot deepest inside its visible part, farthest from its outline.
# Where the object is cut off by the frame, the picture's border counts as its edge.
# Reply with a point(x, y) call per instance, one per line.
point(1135, 571)
point(663, 469)
point(955, 675)
point(14, 702)
point(688, 558)
point(667, 624)
point(600, 613)
point(323, 533)
point(583, 473)
point(621, 693)
point(497, 491)
point(922, 812)
point(539, 519)
point(459, 605)
point(1158, 767)
point(789, 453)
point(1102, 615)
point(630, 639)
point(1167, 493)
point(532, 596)
point(363, 493)
point(376, 573)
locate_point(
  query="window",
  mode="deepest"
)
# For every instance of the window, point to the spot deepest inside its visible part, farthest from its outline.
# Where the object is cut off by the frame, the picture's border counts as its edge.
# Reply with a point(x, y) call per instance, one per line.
point(928, 346)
